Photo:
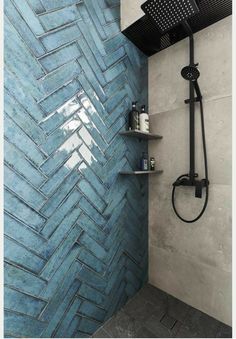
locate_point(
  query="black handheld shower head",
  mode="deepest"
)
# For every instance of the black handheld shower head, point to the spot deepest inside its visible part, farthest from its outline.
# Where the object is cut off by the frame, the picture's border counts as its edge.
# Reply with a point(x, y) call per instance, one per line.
point(190, 73)
point(167, 14)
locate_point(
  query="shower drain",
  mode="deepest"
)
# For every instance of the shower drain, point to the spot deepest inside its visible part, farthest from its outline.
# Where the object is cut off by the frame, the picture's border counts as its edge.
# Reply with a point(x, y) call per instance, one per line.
point(168, 321)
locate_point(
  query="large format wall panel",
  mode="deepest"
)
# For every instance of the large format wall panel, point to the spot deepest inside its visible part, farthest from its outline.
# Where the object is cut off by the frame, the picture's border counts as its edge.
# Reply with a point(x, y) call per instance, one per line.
point(75, 231)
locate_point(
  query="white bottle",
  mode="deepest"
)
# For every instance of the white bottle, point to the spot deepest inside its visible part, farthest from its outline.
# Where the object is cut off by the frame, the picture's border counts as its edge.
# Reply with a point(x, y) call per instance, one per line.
point(144, 120)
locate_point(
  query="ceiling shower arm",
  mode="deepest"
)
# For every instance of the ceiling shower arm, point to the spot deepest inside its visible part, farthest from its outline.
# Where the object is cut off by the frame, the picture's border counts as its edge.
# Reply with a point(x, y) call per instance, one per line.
point(189, 31)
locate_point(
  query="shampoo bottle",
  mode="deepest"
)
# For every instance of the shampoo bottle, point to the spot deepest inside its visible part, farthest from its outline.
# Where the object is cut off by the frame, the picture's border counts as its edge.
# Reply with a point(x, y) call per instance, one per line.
point(144, 120)
point(134, 117)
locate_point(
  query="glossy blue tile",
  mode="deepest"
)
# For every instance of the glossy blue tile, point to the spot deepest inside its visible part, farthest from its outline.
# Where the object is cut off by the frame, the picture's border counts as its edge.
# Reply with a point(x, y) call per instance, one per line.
point(60, 37)
point(54, 4)
point(21, 256)
point(22, 211)
point(23, 303)
point(16, 324)
point(37, 6)
point(55, 59)
point(23, 28)
point(20, 187)
point(23, 280)
point(29, 16)
point(54, 19)
point(75, 230)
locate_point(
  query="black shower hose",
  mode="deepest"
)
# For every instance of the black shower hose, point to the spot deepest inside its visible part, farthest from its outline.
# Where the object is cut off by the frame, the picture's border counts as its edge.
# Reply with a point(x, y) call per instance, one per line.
point(206, 174)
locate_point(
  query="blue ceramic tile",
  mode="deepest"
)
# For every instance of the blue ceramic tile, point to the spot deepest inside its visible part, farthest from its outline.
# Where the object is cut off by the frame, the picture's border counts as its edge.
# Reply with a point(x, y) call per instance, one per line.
point(15, 53)
point(23, 28)
point(112, 14)
point(63, 295)
point(20, 187)
point(88, 326)
point(92, 195)
point(27, 237)
point(23, 303)
point(59, 18)
point(29, 17)
point(58, 178)
point(54, 4)
point(55, 59)
point(23, 119)
point(17, 90)
point(57, 237)
point(75, 230)
point(20, 210)
point(22, 257)
point(97, 17)
point(58, 197)
point(92, 279)
point(64, 74)
point(92, 228)
point(61, 309)
point(17, 160)
point(60, 37)
point(92, 311)
point(91, 211)
point(94, 247)
point(91, 261)
point(16, 324)
point(58, 98)
point(23, 280)
point(61, 280)
point(60, 253)
point(60, 213)
point(92, 294)
point(37, 6)
point(61, 115)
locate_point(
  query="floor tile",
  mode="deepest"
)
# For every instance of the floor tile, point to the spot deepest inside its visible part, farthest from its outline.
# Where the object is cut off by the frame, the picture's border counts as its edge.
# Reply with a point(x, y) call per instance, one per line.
point(224, 331)
point(201, 323)
point(101, 333)
point(143, 332)
point(153, 295)
point(152, 313)
point(121, 325)
point(141, 310)
point(155, 326)
point(185, 332)
point(168, 321)
point(177, 309)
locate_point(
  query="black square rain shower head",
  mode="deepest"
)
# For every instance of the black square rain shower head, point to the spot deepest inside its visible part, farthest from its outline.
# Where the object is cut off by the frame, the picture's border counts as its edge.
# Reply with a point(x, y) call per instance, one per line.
point(167, 14)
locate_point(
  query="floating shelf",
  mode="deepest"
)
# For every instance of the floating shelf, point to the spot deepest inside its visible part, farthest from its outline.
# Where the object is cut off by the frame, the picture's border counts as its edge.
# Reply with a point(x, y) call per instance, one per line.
point(140, 172)
point(141, 135)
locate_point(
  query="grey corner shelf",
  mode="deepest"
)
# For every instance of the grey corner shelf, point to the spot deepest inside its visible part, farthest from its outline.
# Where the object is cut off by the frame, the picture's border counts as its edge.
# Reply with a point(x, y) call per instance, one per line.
point(140, 172)
point(141, 135)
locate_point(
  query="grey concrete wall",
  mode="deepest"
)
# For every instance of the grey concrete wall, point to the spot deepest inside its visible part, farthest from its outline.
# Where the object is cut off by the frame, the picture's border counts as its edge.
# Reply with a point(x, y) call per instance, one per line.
point(192, 261)
point(130, 12)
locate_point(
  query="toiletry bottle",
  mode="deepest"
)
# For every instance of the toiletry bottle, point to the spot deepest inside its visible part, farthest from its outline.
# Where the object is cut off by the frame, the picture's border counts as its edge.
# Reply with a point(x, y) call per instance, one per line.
point(152, 164)
point(134, 117)
point(144, 162)
point(144, 120)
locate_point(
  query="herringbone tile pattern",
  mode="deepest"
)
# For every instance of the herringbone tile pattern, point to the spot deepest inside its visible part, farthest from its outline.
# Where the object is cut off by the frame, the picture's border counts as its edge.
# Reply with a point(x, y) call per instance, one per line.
point(75, 231)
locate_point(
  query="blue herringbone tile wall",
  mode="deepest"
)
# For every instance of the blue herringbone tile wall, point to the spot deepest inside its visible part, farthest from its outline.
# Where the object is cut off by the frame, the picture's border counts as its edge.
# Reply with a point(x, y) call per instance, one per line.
point(75, 231)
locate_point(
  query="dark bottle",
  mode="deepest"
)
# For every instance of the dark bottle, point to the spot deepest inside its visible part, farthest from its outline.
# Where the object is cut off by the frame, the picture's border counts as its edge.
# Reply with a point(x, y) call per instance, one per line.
point(134, 117)
point(152, 164)
point(144, 162)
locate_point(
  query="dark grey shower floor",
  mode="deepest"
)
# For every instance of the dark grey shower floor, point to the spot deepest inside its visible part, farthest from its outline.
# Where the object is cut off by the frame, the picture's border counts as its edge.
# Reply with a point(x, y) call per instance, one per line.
point(155, 314)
